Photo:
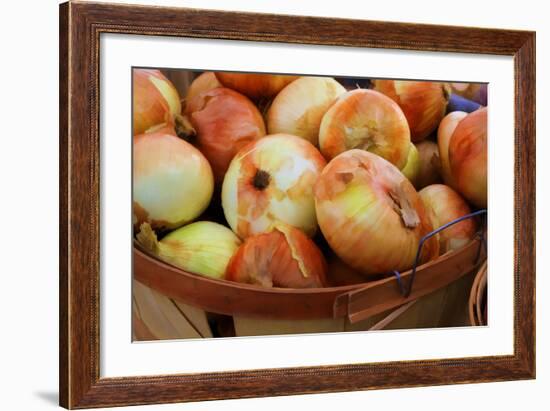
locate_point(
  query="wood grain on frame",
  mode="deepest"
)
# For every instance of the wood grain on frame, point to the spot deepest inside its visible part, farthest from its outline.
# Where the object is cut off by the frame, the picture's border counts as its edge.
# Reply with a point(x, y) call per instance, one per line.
point(80, 28)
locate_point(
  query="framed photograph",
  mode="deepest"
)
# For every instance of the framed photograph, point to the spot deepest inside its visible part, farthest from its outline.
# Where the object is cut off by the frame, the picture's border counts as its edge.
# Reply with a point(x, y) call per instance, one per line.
point(259, 205)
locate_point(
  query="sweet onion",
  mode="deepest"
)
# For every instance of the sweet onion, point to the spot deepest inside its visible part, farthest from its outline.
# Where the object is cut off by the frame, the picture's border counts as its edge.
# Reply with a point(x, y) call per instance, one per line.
point(271, 181)
point(300, 106)
point(224, 122)
point(172, 181)
point(284, 257)
point(371, 215)
point(203, 247)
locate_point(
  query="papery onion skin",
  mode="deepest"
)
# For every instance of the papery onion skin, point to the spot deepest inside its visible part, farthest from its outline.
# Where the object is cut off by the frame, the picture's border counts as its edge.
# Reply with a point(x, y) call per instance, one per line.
point(203, 248)
point(172, 181)
point(203, 83)
point(423, 102)
point(271, 181)
point(429, 164)
point(412, 167)
point(255, 86)
point(155, 100)
point(444, 134)
point(468, 157)
point(224, 122)
point(367, 120)
point(300, 106)
point(371, 215)
point(445, 205)
point(284, 257)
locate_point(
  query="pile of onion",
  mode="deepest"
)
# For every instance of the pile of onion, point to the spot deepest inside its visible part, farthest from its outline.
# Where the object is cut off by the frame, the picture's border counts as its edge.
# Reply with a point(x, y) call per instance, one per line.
point(224, 121)
point(463, 148)
point(284, 257)
point(255, 86)
point(300, 106)
point(155, 100)
point(366, 120)
point(270, 181)
point(423, 102)
point(371, 215)
point(203, 247)
point(445, 205)
point(172, 182)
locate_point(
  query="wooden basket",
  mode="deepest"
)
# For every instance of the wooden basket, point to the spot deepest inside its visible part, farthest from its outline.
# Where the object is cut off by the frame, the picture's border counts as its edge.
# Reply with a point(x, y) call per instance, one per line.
point(170, 303)
point(477, 304)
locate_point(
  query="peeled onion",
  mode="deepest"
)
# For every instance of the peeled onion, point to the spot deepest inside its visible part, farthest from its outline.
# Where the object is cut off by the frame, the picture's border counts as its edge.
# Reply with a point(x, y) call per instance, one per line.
point(224, 122)
point(445, 205)
point(253, 85)
point(300, 106)
point(366, 120)
point(371, 215)
point(412, 167)
point(444, 134)
point(271, 181)
point(423, 102)
point(284, 257)
point(468, 157)
point(172, 182)
point(155, 100)
point(203, 247)
point(429, 164)
point(205, 82)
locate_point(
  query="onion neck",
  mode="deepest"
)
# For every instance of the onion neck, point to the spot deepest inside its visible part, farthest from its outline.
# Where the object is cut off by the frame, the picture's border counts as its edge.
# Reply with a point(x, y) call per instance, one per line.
point(184, 128)
point(402, 205)
point(147, 238)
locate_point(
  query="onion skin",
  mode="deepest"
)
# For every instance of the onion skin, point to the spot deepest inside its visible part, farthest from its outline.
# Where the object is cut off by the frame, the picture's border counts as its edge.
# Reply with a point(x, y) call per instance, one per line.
point(205, 82)
point(270, 181)
point(155, 100)
point(429, 164)
point(300, 106)
point(412, 167)
point(445, 205)
point(224, 122)
point(367, 120)
point(172, 182)
point(468, 157)
point(444, 134)
point(255, 86)
point(203, 248)
point(371, 215)
point(423, 102)
point(284, 257)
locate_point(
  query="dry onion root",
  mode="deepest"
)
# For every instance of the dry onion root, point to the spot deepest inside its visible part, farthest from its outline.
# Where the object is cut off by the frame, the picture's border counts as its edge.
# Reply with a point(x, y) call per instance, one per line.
point(284, 257)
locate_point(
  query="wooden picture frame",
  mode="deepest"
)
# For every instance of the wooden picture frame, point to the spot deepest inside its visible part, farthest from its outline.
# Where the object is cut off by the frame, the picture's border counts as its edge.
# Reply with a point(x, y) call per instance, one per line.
point(80, 27)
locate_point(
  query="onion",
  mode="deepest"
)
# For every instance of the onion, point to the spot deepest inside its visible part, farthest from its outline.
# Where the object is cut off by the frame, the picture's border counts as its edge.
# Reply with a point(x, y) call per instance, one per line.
point(468, 157)
point(284, 257)
point(271, 181)
point(224, 121)
point(444, 134)
point(445, 205)
point(371, 215)
point(300, 106)
point(205, 82)
point(367, 120)
point(412, 167)
point(253, 85)
point(203, 247)
point(423, 102)
point(430, 165)
point(339, 273)
point(155, 100)
point(172, 182)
